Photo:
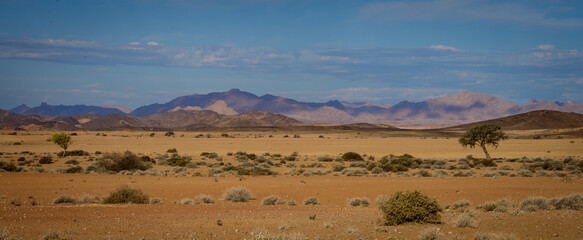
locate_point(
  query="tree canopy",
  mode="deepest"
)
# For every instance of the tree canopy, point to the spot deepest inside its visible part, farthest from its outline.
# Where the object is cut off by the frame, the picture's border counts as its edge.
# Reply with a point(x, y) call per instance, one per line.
point(63, 140)
point(482, 135)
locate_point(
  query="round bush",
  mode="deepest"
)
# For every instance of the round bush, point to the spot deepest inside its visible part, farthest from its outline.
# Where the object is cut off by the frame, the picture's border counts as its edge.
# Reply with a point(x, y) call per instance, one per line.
point(410, 207)
point(125, 194)
point(239, 194)
point(311, 201)
point(272, 200)
point(352, 156)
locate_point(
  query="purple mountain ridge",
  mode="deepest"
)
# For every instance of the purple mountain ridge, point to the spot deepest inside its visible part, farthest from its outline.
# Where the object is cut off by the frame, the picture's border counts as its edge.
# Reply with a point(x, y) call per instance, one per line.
point(460, 108)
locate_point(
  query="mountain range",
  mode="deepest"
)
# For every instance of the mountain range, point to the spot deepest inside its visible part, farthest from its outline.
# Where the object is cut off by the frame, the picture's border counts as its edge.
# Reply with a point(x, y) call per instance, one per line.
point(461, 108)
point(176, 120)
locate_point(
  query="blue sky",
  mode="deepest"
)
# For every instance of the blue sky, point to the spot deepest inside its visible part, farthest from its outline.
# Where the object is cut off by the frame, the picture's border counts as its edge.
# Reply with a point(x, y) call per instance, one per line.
point(138, 52)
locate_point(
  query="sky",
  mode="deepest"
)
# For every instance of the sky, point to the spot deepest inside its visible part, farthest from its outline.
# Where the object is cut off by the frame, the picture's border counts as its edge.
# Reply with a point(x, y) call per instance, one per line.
point(139, 52)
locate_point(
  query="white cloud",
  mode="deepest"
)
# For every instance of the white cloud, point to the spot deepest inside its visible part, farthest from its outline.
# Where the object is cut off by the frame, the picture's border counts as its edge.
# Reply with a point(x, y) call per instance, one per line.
point(442, 47)
point(153, 44)
point(546, 46)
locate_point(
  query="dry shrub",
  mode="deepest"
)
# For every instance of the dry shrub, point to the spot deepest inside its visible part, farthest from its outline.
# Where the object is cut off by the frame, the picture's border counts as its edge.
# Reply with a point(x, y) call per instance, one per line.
point(52, 236)
point(87, 199)
point(65, 199)
point(5, 234)
point(264, 234)
point(311, 201)
point(380, 200)
point(534, 204)
point(355, 202)
point(239, 194)
point(272, 200)
point(500, 205)
point(410, 207)
point(572, 202)
point(208, 199)
point(493, 236)
point(155, 200)
point(125, 194)
point(466, 219)
point(430, 234)
point(185, 201)
point(461, 204)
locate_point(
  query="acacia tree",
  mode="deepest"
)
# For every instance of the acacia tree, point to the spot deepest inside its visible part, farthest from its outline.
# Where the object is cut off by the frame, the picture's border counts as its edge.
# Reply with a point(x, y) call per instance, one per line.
point(482, 135)
point(63, 140)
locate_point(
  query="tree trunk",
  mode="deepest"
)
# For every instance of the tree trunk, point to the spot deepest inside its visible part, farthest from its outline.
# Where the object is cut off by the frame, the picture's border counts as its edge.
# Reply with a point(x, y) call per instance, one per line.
point(485, 151)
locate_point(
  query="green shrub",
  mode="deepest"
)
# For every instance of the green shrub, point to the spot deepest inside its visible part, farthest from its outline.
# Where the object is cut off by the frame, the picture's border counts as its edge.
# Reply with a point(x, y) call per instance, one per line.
point(73, 153)
point(169, 134)
point(125, 194)
point(352, 156)
point(118, 162)
point(398, 163)
point(72, 161)
point(172, 150)
point(75, 169)
point(272, 200)
point(210, 155)
point(177, 161)
point(410, 207)
point(45, 160)
point(311, 201)
point(239, 194)
point(10, 167)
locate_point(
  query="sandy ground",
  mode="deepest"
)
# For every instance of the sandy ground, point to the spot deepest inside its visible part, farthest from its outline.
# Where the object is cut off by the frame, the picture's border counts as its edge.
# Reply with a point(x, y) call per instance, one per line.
point(334, 218)
point(171, 221)
point(308, 144)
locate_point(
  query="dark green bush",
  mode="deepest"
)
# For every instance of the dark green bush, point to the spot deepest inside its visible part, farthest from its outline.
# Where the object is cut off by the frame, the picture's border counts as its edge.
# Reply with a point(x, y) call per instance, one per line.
point(10, 167)
point(45, 160)
point(398, 163)
point(75, 169)
point(73, 153)
point(548, 164)
point(172, 150)
point(410, 207)
point(178, 162)
point(169, 134)
point(118, 162)
point(352, 156)
point(125, 194)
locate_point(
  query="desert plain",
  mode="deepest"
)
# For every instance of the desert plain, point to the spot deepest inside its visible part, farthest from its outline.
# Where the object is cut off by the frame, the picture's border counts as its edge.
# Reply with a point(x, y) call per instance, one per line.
point(28, 210)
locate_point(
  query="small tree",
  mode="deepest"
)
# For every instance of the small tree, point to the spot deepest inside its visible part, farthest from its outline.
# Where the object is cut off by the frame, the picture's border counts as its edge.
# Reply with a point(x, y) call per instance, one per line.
point(63, 140)
point(482, 135)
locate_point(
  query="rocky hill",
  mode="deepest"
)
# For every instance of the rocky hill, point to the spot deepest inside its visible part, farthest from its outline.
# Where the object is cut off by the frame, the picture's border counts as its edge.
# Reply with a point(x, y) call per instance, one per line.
point(541, 119)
